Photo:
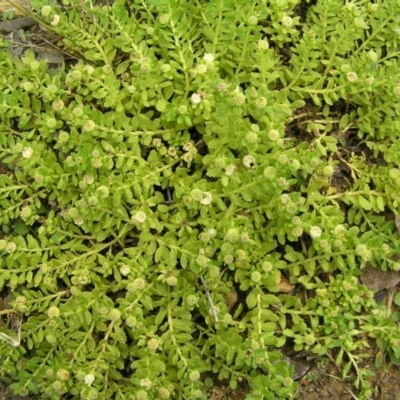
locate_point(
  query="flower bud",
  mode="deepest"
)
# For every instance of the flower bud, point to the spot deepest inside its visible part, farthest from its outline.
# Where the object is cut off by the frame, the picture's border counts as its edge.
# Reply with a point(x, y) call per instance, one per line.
point(114, 315)
point(232, 235)
point(53, 312)
point(152, 344)
point(62, 375)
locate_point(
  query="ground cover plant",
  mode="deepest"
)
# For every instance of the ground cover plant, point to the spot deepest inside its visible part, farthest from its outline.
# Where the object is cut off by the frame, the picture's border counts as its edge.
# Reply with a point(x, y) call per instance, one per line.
point(199, 190)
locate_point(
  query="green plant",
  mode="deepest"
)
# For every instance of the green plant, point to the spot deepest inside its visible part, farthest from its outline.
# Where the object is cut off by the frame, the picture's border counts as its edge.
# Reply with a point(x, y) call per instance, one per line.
point(197, 142)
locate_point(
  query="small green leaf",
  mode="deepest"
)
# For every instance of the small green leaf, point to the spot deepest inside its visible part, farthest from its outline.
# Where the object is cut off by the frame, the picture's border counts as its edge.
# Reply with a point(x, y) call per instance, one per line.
point(21, 229)
point(161, 104)
point(364, 203)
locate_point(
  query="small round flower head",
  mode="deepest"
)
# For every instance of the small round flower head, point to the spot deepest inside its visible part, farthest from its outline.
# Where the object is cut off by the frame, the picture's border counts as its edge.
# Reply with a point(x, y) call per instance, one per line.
point(255, 128)
point(63, 137)
point(139, 217)
point(125, 270)
point(297, 231)
point(131, 322)
point(88, 179)
point(252, 20)
point(171, 151)
point(208, 58)
point(261, 102)
point(214, 272)
point(201, 69)
point(249, 161)
point(82, 279)
point(359, 22)
point(232, 235)
point(194, 376)
point(195, 98)
point(96, 163)
point(165, 68)
point(206, 198)
point(55, 20)
point(53, 312)
point(238, 98)
point(95, 153)
point(201, 260)
point(10, 247)
point(27, 152)
point(241, 255)
point(51, 339)
point(328, 171)
point(196, 194)
point(273, 135)
point(351, 76)
point(228, 259)
point(63, 375)
point(283, 159)
point(372, 55)
point(103, 192)
point(187, 157)
point(28, 86)
point(227, 248)
point(345, 68)
point(262, 45)
point(153, 344)
point(284, 198)
point(89, 126)
point(255, 277)
point(92, 394)
point(34, 65)
point(337, 243)
point(287, 382)
point(396, 91)
point(46, 11)
point(364, 252)
point(287, 21)
point(192, 300)
point(339, 230)
point(164, 19)
point(309, 340)
point(20, 300)
point(244, 237)
point(114, 315)
point(78, 111)
point(369, 81)
point(270, 172)
point(315, 232)
point(57, 386)
point(296, 221)
point(283, 183)
point(324, 243)
point(230, 170)
point(251, 137)
point(146, 383)
point(89, 379)
point(139, 283)
point(171, 280)
point(182, 110)
point(145, 68)
point(394, 173)
point(26, 212)
point(163, 393)
point(294, 164)
point(131, 89)
point(373, 7)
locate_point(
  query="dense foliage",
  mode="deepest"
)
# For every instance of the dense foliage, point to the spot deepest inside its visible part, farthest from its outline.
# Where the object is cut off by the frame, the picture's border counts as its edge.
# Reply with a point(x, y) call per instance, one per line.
point(198, 191)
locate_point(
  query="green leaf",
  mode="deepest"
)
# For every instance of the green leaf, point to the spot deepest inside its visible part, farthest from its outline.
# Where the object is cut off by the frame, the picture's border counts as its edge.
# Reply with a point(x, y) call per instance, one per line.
point(161, 104)
point(21, 229)
point(364, 203)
